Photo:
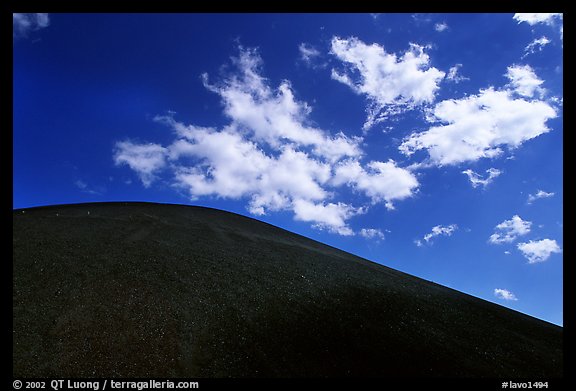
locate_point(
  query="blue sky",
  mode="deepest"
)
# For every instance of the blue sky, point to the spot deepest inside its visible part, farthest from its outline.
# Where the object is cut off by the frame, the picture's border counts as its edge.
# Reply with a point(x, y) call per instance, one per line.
point(430, 143)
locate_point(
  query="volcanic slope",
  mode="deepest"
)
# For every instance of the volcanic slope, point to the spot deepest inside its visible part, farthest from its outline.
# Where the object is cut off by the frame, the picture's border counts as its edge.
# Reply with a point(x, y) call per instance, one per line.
point(157, 290)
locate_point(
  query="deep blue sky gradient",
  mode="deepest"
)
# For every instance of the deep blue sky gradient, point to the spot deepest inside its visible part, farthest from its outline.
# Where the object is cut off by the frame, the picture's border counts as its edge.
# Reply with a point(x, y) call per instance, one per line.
point(88, 81)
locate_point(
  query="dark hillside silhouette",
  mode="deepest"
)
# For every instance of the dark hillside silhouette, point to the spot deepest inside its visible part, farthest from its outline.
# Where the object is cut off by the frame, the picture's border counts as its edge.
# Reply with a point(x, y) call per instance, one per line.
point(156, 290)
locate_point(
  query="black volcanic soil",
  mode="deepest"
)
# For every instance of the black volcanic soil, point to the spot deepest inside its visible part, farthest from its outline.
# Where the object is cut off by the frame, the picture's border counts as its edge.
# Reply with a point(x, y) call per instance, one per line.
point(153, 290)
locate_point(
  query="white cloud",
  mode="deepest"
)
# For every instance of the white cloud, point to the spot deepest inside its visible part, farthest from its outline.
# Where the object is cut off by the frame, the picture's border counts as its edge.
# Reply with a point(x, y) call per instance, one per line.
point(391, 83)
point(268, 154)
point(536, 45)
point(476, 180)
point(540, 250)
point(524, 81)
point(539, 194)
point(227, 166)
point(331, 216)
point(453, 75)
point(275, 116)
point(145, 159)
point(22, 24)
point(437, 230)
point(509, 230)
point(504, 294)
point(383, 181)
point(308, 52)
point(372, 233)
point(478, 126)
point(535, 18)
point(231, 166)
point(441, 27)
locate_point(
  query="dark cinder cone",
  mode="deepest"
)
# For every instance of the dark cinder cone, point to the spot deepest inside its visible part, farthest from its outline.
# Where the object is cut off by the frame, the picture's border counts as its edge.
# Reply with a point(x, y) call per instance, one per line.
point(155, 290)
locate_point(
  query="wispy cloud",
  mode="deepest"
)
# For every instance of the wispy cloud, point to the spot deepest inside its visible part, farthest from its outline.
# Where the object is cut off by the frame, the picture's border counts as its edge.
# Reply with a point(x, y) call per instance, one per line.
point(509, 230)
point(23, 24)
point(536, 45)
point(440, 27)
point(539, 250)
point(372, 233)
point(308, 53)
point(477, 180)
point(274, 116)
point(535, 18)
point(392, 83)
point(454, 75)
point(80, 184)
point(504, 294)
point(438, 230)
point(85, 188)
point(539, 194)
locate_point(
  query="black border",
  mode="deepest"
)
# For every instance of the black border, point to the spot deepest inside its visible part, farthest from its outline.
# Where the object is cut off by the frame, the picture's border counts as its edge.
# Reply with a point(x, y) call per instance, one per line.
point(331, 6)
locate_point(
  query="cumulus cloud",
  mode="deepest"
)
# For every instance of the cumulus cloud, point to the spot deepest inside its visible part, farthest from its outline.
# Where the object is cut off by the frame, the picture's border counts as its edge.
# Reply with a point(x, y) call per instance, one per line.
point(268, 154)
point(535, 18)
point(477, 180)
point(380, 181)
point(145, 159)
point(23, 24)
point(391, 83)
point(231, 166)
point(438, 230)
point(523, 80)
point(504, 294)
point(332, 216)
point(539, 250)
point(509, 230)
point(539, 194)
point(536, 45)
point(479, 126)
